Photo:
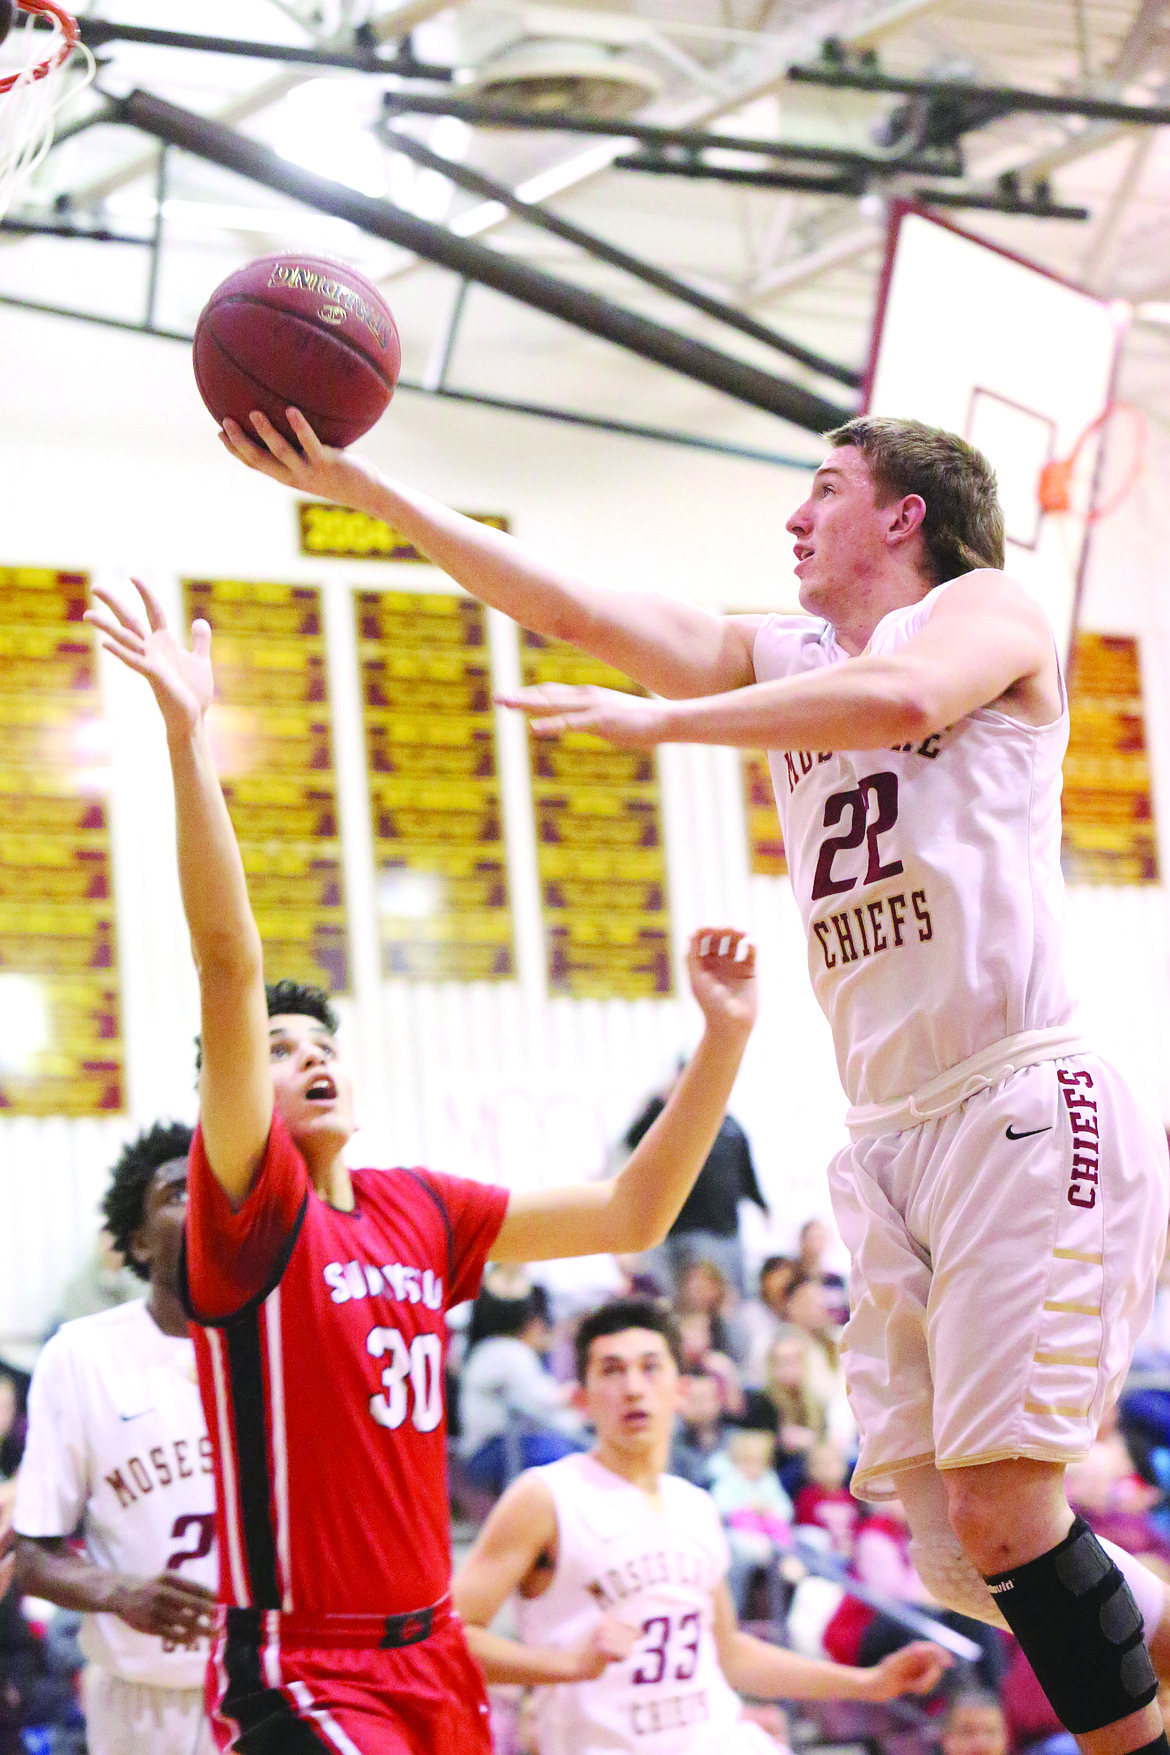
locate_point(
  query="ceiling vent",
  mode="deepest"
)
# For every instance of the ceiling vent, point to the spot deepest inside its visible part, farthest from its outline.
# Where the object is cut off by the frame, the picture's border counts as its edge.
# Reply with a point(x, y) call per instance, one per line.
point(565, 76)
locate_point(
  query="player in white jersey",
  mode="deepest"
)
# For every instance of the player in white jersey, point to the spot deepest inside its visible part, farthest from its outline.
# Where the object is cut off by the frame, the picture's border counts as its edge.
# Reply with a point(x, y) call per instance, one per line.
point(624, 1617)
point(118, 1452)
point(1004, 1196)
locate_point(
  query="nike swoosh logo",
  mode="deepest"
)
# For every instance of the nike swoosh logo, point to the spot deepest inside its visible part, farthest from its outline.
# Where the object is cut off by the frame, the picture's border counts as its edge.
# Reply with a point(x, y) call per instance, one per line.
point(1028, 1132)
point(138, 1416)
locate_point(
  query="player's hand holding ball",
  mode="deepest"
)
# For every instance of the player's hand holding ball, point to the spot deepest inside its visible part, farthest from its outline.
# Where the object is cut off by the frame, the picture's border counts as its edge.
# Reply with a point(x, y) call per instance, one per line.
point(721, 963)
point(315, 469)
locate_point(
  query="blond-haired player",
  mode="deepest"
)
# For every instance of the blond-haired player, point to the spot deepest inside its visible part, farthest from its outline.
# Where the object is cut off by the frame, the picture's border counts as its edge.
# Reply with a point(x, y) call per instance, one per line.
point(619, 1569)
point(1004, 1196)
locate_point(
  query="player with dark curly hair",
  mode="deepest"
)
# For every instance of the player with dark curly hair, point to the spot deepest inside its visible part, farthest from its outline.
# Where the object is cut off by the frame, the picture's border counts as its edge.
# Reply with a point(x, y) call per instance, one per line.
point(118, 1447)
point(124, 1203)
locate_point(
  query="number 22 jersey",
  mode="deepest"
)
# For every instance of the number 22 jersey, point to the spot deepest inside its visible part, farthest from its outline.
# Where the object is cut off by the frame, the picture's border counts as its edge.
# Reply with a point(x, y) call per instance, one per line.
point(927, 876)
point(320, 1337)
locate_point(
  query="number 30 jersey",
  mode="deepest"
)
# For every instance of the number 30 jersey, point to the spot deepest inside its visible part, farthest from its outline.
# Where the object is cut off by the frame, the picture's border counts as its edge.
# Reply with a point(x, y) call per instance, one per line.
point(117, 1447)
point(321, 1337)
point(927, 876)
point(654, 1567)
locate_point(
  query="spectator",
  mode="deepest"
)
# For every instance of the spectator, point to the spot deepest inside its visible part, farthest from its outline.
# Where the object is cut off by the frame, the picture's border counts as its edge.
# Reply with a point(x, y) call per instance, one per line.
point(704, 1287)
point(760, 1319)
point(755, 1509)
point(808, 1308)
point(700, 1354)
point(786, 1403)
point(974, 1724)
point(513, 1413)
point(825, 1502)
point(812, 1241)
point(1116, 1503)
point(707, 1228)
point(701, 1429)
point(1145, 1403)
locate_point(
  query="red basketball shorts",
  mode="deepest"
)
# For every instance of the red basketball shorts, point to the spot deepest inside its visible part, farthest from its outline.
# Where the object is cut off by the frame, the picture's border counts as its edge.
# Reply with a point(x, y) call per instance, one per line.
point(286, 1685)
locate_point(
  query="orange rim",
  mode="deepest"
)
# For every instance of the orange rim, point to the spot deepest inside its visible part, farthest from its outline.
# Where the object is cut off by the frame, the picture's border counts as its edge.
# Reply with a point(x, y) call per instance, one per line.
point(67, 25)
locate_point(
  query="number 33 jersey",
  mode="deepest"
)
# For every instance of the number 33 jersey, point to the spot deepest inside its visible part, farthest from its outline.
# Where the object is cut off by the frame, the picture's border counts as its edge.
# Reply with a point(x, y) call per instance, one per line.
point(927, 876)
point(654, 1567)
point(117, 1447)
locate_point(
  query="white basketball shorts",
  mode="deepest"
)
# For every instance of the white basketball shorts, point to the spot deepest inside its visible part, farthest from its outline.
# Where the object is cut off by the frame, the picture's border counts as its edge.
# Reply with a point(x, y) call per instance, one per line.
point(1004, 1256)
point(133, 1718)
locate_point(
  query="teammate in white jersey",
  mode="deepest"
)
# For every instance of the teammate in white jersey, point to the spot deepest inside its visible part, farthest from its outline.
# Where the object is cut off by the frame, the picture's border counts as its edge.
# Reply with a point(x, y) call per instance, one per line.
point(118, 1453)
point(623, 1611)
point(1004, 1197)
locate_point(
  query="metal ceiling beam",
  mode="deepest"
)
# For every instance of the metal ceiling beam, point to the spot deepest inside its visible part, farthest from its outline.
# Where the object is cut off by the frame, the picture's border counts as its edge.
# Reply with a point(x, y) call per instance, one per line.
point(669, 164)
point(486, 115)
point(533, 214)
point(1006, 98)
point(96, 33)
point(692, 359)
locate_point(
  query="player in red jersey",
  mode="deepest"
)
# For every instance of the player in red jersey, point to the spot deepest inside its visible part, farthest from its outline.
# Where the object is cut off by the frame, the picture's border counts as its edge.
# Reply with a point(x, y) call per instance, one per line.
point(319, 1294)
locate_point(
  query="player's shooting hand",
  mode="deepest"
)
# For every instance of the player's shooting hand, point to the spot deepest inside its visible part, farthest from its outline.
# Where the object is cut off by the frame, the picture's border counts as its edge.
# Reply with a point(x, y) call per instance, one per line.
point(721, 963)
point(629, 721)
point(168, 1606)
point(316, 469)
point(609, 1643)
point(181, 680)
point(915, 1669)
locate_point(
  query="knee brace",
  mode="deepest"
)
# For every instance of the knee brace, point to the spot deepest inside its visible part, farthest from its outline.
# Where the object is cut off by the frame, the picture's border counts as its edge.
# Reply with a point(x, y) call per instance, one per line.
point(1081, 1631)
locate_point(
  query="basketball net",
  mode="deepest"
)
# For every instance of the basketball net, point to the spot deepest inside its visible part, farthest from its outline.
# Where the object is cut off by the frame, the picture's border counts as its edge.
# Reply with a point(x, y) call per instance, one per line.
point(1099, 473)
point(33, 87)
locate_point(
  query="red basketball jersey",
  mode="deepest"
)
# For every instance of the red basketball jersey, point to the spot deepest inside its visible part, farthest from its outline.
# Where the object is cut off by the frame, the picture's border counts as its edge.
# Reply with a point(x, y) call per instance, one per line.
point(320, 1338)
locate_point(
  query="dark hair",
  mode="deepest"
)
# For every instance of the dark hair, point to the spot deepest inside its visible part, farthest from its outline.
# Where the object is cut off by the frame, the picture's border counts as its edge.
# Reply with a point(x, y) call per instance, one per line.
point(617, 1316)
point(292, 998)
point(963, 527)
point(125, 1199)
point(493, 1316)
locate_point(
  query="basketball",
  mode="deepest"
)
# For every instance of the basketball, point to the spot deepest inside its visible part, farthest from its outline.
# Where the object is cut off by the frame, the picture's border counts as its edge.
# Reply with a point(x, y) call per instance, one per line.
point(305, 331)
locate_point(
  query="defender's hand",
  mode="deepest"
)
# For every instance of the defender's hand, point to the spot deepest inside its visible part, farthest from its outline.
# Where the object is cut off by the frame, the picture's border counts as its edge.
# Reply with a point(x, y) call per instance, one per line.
point(610, 1642)
point(316, 469)
point(916, 1669)
point(168, 1606)
point(721, 963)
point(181, 680)
point(628, 721)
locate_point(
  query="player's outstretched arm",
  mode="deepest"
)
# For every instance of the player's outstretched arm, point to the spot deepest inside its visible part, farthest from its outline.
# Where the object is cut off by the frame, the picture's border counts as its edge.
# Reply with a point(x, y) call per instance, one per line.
point(769, 1672)
point(521, 1528)
point(236, 1080)
point(673, 648)
point(985, 640)
point(168, 1606)
point(636, 1209)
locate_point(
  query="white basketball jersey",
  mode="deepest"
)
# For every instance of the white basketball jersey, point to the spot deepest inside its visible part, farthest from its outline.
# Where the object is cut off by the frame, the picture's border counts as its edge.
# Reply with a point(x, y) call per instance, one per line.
point(927, 876)
point(118, 1449)
point(655, 1567)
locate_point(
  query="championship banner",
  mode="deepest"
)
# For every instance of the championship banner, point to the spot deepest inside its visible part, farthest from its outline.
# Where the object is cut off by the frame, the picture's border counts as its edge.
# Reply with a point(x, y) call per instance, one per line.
point(444, 912)
point(337, 533)
point(766, 856)
point(60, 1029)
point(599, 847)
point(273, 742)
point(1108, 807)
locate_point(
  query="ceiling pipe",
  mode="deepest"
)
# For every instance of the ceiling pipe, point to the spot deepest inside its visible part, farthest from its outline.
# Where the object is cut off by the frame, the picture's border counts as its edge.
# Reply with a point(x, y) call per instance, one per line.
point(476, 183)
point(96, 33)
point(1006, 99)
point(745, 383)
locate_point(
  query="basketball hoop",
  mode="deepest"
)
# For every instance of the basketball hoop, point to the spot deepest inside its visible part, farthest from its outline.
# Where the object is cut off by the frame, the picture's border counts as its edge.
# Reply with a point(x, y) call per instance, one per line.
point(1092, 481)
point(33, 87)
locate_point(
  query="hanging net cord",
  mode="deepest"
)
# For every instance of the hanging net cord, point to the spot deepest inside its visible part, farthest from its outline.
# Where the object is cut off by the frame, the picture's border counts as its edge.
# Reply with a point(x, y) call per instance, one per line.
point(33, 86)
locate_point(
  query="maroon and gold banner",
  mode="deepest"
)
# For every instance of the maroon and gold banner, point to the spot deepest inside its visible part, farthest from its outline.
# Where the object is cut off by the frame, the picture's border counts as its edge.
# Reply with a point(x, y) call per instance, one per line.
point(1109, 834)
point(60, 1031)
point(599, 847)
point(439, 851)
point(338, 533)
point(273, 743)
point(766, 856)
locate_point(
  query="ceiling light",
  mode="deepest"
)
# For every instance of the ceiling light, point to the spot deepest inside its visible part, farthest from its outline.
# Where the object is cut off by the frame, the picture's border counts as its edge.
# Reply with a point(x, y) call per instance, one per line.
point(553, 75)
